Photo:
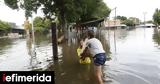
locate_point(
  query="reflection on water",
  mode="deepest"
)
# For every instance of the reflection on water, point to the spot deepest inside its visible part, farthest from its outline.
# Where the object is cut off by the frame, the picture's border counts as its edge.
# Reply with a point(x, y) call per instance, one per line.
point(4, 44)
point(69, 71)
point(31, 53)
point(156, 36)
point(19, 53)
point(40, 53)
point(134, 62)
point(136, 58)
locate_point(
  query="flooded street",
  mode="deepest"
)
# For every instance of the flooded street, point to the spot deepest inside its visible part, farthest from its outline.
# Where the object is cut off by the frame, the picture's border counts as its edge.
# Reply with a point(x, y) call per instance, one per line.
point(16, 54)
point(135, 57)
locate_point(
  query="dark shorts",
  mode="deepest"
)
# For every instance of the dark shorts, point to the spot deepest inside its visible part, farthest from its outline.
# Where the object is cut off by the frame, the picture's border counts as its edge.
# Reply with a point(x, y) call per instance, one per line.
point(99, 59)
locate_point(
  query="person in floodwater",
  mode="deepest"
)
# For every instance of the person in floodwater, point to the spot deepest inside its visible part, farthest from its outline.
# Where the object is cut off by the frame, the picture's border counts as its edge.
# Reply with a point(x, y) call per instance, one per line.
point(95, 48)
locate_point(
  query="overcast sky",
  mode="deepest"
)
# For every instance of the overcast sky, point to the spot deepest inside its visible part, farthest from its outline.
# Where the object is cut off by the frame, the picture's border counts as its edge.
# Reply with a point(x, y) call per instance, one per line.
point(16, 16)
point(134, 8)
point(129, 8)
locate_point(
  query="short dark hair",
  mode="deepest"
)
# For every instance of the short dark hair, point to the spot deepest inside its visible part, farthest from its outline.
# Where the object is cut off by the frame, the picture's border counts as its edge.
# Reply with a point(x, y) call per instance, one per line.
point(91, 33)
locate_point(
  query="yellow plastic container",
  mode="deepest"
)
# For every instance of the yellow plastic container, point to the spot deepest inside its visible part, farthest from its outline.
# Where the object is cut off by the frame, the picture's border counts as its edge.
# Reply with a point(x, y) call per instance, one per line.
point(87, 60)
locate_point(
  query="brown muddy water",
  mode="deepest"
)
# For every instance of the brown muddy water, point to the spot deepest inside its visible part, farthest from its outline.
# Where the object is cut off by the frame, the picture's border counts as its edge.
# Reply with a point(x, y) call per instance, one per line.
point(135, 57)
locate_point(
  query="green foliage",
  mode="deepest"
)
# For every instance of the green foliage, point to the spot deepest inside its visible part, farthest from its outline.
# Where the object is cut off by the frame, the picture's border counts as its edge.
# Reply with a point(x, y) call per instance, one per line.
point(135, 20)
point(156, 17)
point(93, 9)
point(65, 10)
point(122, 18)
point(12, 3)
point(41, 24)
point(27, 5)
point(129, 22)
point(4, 26)
point(102, 10)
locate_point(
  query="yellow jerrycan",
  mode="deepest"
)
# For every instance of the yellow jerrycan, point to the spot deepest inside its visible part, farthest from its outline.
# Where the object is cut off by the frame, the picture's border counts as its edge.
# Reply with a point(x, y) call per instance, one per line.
point(87, 60)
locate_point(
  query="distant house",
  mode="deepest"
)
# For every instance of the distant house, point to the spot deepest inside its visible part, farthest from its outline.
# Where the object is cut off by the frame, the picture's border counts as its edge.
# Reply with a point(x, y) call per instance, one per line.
point(147, 25)
point(113, 24)
point(16, 31)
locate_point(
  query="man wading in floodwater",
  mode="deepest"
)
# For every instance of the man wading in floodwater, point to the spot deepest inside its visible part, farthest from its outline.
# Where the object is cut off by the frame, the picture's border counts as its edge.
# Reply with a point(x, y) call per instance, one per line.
point(96, 50)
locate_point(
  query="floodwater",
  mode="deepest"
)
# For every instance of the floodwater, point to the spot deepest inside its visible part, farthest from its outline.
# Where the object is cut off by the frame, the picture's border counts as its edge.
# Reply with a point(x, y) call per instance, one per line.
point(135, 57)
point(17, 53)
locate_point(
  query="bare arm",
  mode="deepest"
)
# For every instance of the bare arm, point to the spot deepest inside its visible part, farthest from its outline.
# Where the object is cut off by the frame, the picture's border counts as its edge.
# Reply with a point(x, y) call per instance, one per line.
point(85, 53)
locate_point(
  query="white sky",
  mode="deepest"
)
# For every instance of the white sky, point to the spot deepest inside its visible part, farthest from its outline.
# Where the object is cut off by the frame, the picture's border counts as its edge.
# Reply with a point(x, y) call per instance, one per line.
point(134, 8)
point(16, 16)
point(129, 8)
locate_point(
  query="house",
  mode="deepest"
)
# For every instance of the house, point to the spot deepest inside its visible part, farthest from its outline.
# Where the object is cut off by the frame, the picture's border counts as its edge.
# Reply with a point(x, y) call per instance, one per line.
point(16, 31)
point(147, 25)
point(113, 24)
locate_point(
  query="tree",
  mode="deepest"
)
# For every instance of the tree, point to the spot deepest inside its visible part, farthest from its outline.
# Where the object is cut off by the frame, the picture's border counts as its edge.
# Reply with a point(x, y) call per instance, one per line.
point(79, 11)
point(135, 20)
point(93, 9)
point(27, 5)
point(156, 17)
point(41, 24)
point(129, 22)
point(65, 10)
point(4, 26)
point(122, 18)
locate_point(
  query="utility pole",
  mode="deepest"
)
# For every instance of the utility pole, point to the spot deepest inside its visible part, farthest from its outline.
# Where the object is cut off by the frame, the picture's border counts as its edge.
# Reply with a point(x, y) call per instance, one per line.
point(115, 29)
point(144, 23)
point(144, 18)
point(54, 41)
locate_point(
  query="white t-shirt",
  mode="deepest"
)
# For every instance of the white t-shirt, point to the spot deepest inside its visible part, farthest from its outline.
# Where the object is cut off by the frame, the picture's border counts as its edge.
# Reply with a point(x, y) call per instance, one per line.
point(94, 46)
